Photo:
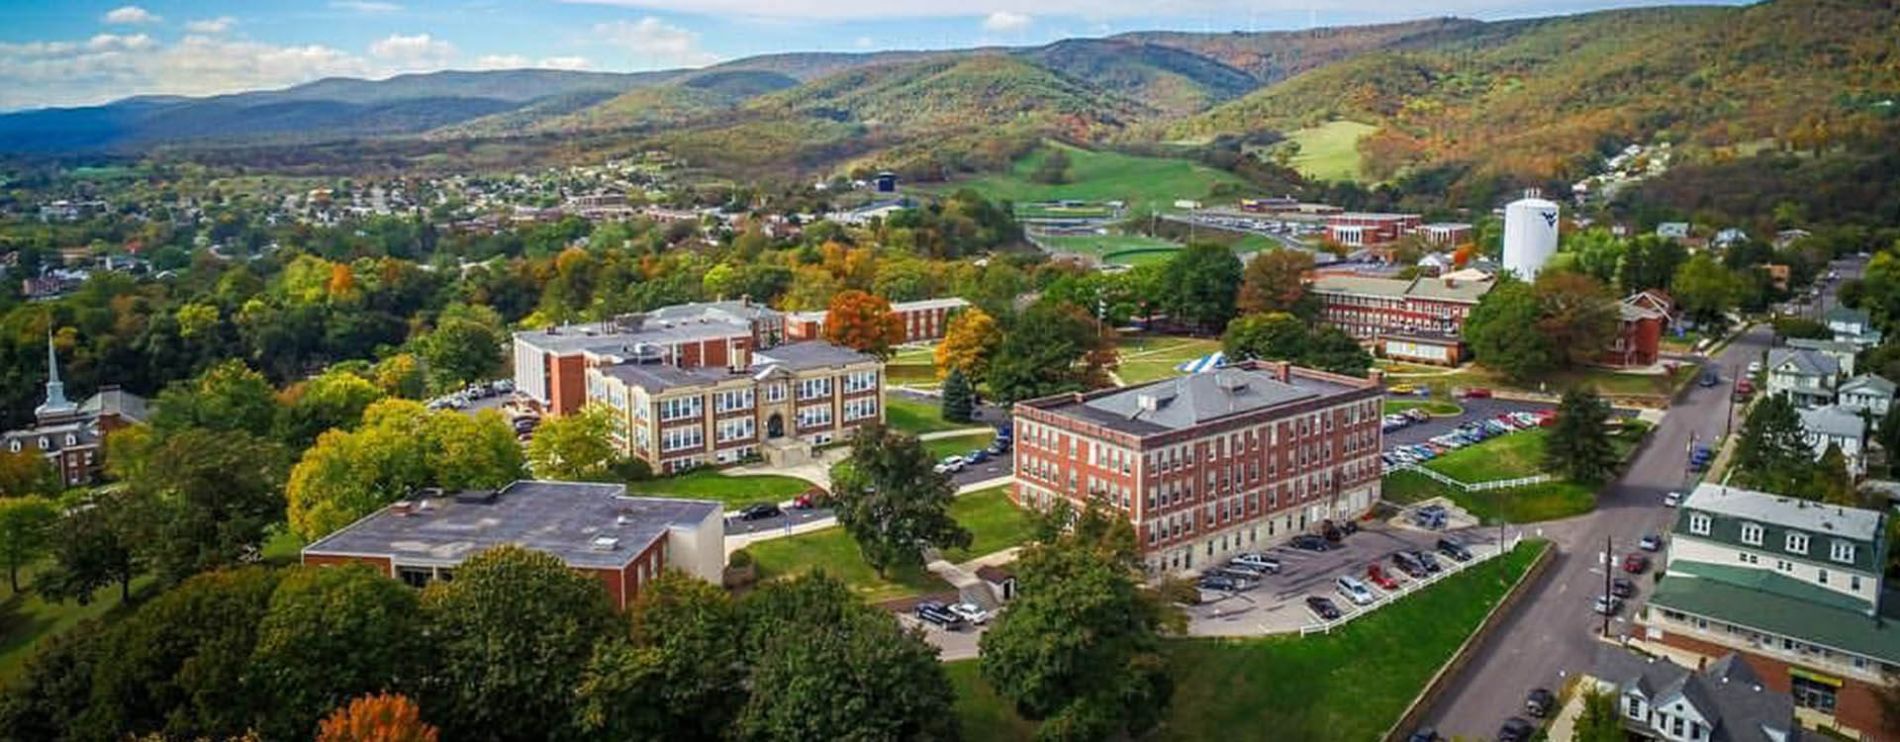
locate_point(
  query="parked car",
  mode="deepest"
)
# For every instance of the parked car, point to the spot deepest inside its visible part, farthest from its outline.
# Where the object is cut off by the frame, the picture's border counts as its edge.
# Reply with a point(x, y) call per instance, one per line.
point(1452, 548)
point(1406, 563)
point(1331, 532)
point(804, 502)
point(1380, 577)
point(998, 447)
point(1401, 389)
point(1221, 583)
point(760, 511)
point(1477, 392)
point(1240, 571)
point(971, 612)
point(939, 615)
point(1607, 605)
point(949, 465)
point(1540, 702)
point(1426, 560)
point(1622, 587)
point(1650, 542)
point(1417, 415)
point(976, 457)
point(1323, 608)
point(1672, 499)
point(1354, 590)
point(1309, 542)
point(1635, 563)
point(1516, 729)
point(1258, 561)
point(1425, 734)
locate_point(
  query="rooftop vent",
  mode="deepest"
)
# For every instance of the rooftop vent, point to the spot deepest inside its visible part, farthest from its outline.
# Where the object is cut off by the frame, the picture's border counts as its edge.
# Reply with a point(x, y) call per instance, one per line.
point(1150, 402)
point(604, 543)
point(623, 521)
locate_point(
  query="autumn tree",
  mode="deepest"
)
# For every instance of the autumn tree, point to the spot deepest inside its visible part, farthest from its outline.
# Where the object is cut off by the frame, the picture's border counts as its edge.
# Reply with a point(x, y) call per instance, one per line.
point(893, 503)
point(25, 473)
point(1275, 281)
point(1575, 315)
point(334, 399)
point(383, 717)
point(969, 342)
point(577, 447)
point(865, 323)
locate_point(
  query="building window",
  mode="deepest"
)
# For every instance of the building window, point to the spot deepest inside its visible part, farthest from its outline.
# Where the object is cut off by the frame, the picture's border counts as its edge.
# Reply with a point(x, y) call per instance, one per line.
point(775, 392)
point(1699, 524)
point(1842, 552)
point(1797, 542)
point(1812, 694)
point(1751, 534)
point(415, 576)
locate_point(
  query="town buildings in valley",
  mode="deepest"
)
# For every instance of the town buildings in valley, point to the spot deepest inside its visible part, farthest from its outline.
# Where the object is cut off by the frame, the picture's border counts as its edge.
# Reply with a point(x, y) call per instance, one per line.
point(596, 529)
point(1210, 464)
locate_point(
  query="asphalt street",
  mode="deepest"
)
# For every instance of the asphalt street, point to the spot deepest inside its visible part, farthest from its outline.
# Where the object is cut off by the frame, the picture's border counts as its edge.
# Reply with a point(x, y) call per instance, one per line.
point(1552, 634)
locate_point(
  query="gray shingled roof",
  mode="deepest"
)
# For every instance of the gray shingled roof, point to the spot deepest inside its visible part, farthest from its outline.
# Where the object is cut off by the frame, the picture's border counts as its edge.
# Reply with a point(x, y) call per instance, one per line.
point(809, 355)
point(560, 518)
point(1740, 707)
point(1183, 402)
point(1833, 420)
point(1736, 502)
point(1868, 383)
point(1807, 362)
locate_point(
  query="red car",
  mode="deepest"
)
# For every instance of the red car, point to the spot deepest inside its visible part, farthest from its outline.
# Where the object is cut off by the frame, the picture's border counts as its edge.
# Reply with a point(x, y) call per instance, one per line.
point(1635, 564)
point(1477, 392)
point(1378, 576)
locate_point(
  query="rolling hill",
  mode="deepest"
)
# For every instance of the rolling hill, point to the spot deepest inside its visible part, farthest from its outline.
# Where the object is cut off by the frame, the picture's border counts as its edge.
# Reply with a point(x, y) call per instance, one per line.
point(1173, 80)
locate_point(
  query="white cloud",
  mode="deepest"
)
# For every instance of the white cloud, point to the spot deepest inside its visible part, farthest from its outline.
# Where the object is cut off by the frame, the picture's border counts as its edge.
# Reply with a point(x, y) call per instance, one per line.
point(419, 51)
point(565, 63)
point(651, 42)
point(216, 25)
point(1216, 11)
point(863, 42)
point(130, 15)
point(520, 62)
point(365, 6)
point(109, 66)
point(1004, 21)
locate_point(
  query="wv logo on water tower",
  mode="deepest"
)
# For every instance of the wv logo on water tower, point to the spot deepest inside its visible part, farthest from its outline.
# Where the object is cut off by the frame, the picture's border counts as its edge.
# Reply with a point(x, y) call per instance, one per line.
point(1550, 219)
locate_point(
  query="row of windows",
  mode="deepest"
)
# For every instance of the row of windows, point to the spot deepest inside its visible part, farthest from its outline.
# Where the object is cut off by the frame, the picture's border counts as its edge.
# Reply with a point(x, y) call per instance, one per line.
point(860, 381)
point(814, 415)
point(736, 429)
point(810, 388)
point(679, 408)
point(1796, 542)
point(859, 409)
point(731, 401)
point(674, 439)
point(46, 444)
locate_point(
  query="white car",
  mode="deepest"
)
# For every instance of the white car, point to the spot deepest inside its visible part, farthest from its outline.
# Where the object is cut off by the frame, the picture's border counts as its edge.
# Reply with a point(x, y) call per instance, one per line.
point(1258, 561)
point(971, 612)
point(950, 465)
point(1672, 499)
point(1354, 590)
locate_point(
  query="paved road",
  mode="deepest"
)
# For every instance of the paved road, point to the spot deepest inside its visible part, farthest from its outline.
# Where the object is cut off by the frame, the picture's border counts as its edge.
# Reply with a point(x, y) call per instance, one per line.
point(1552, 633)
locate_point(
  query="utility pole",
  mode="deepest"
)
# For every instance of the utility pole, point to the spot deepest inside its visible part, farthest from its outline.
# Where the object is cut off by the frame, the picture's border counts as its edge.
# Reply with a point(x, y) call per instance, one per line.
point(1728, 423)
point(1609, 563)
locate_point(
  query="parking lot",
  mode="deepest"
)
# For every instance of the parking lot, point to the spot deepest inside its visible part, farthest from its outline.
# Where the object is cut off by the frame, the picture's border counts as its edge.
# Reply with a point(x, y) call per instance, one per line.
point(1475, 409)
point(1277, 603)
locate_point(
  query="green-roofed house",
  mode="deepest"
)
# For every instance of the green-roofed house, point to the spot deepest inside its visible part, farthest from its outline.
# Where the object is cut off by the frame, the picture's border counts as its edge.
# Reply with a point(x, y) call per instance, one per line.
point(1794, 587)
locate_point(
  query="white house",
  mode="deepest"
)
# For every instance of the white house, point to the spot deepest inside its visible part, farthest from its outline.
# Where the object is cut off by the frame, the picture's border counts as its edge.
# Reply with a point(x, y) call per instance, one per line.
point(1835, 425)
point(1659, 699)
point(1868, 392)
point(1807, 376)
point(1842, 353)
point(1853, 326)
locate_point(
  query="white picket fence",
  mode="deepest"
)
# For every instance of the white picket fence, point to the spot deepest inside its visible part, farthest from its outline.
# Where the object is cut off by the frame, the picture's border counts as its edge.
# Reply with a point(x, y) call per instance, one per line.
point(1496, 484)
point(1412, 585)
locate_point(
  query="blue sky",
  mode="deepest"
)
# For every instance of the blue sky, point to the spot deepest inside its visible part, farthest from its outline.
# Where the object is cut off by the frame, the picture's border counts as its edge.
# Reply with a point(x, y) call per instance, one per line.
point(78, 52)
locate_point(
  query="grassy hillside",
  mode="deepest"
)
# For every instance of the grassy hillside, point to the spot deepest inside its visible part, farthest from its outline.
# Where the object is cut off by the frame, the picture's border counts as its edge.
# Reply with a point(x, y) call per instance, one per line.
point(1330, 151)
point(1175, 81)
point(1276, 55)
point(955, 93)
point(1141, 182)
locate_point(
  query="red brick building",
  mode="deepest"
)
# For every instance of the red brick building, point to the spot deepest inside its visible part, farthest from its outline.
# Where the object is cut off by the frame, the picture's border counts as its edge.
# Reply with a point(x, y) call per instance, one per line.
point(1642, 320)
point(1445, 234)
point(594, 528)
point(1370, 230)
point(1420, 320)
point(551, 364)
point(71, 436)
point(1210, 464)
point(924, 320)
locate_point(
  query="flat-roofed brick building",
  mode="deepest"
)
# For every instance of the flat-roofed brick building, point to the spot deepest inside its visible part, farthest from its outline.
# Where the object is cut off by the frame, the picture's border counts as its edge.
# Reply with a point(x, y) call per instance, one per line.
point(1211, 464)
point(594, 528)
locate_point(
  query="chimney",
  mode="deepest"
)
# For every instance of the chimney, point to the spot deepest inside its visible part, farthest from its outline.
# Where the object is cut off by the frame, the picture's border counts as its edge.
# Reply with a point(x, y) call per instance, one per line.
point(1376, 376)
point(1284, 372)
point(745, 300)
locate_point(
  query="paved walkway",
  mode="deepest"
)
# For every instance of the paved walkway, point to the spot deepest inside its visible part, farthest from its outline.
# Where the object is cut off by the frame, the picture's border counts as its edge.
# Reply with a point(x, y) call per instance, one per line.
point(958, 433)
point(737, 541)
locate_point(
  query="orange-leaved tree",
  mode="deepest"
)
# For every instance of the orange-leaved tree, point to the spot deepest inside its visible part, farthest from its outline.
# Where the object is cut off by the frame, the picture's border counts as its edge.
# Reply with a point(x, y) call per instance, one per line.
point(384, 717)
point(968, 342)
point(863, 322)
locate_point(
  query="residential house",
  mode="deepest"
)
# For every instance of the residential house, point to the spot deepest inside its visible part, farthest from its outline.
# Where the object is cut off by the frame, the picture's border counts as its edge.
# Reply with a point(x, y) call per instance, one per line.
point(1642, 319)
point(1809, 377)
point(1835, 425)
point(1853, 326)
point(1208, 465)
point(1842, 353)
point(1868, 392)
point(1793, 588)
point(596, 529)
point(1788, 237)
point(1673, 230)
point(1729, 237)
point(1660, 700)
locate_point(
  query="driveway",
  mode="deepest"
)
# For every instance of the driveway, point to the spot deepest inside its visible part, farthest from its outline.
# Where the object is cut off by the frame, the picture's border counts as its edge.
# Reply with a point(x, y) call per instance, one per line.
point(1553, 634)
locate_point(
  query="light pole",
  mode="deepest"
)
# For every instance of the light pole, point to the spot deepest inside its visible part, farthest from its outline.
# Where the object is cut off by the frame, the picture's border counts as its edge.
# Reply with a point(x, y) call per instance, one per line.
point(1609, 563)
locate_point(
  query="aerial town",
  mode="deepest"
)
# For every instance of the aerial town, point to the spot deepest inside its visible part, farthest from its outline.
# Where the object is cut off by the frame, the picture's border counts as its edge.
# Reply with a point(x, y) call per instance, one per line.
point(401, 372)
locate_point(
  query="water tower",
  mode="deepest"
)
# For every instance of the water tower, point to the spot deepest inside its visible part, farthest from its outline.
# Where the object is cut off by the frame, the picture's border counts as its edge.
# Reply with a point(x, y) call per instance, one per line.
point(1530, 235)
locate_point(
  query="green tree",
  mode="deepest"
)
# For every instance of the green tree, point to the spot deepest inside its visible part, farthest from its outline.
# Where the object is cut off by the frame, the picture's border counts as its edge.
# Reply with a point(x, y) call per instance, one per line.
point(1331, 349)
point(1831, 481)
point(25, 473)
point(202, 499)
point(679, 675)
point(1202, 284)
point(1772, 454)
point(330, 634)
point(511, 635)
point(1051, 348)
point(1578, 446)
point(893, 503)
point(1054, 169)
point(1576, 317)
point(92, 548)
point(1599, 721)
point(1275, 281)
point(1706, 290)
point(26, 527)
point(1274, 337)
point(827, 667)
point(959, 400)
point(1079, 648)
point(228, 396)
point(461, 350)
point(334, 399)
point(576, 448)
point(1496, 332)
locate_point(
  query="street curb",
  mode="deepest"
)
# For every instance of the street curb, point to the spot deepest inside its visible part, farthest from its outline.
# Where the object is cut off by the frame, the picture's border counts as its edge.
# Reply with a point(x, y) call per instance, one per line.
point(1436, 686)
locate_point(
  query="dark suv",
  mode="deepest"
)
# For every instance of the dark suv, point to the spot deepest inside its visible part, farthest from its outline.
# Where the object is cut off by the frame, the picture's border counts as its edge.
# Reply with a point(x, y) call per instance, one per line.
point(1451, 548)
point(939, 615)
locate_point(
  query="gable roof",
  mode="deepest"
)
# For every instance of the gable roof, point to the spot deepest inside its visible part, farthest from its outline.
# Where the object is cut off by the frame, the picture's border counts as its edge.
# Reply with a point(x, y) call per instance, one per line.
point(1733, 700)
point(1834, 421)
point(1868, 384)
point(1803, 361)
point(1846, 314)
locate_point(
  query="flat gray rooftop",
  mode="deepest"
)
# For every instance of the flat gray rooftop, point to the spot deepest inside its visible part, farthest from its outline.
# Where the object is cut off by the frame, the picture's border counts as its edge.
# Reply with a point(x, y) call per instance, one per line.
point(1196, 399)
point(1812, 517)
point(560, 518)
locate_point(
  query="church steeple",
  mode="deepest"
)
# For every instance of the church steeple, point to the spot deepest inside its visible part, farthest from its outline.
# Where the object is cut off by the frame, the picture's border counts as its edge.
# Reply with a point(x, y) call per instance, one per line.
point(56, 404)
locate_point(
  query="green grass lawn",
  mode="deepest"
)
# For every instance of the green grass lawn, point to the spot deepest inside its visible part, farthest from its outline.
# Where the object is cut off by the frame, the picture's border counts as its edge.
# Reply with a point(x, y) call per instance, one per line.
point(995, 523)
point(1607, 382)
point(710, 484)
point(1132, 258)
point(1331, 151)
point(1430, 406)
point(1350, 684)
point(957, 445)
point(26, 619)
point(1140, 182)
point(833, 551)
point(1505, 457)
point(916, 416)
point(1151, 357)
point(913, 366)
point(1123, 249)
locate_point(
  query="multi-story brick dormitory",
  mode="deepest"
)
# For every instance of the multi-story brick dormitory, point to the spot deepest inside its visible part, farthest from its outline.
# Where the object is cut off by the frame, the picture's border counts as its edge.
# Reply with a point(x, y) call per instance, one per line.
point(1210, 464)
